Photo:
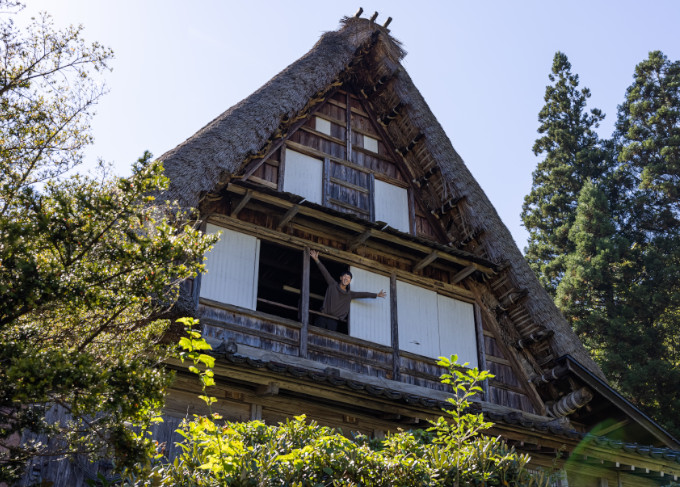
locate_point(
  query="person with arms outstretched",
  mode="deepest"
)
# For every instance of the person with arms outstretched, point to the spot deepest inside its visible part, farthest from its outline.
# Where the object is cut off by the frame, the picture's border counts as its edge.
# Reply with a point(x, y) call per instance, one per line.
point(338, 296)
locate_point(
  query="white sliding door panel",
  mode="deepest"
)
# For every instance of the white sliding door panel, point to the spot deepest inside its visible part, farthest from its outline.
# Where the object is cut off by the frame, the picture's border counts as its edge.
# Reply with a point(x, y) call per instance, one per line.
point(417, 314)
point(232, 264)
point(457, 330)
point(303, 176)
point(369, 319)
point(391, 205)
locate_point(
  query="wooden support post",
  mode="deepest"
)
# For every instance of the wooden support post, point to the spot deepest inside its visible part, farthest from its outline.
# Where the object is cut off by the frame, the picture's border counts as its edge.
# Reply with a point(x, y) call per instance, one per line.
point(326, 181)
point(481, 348)
point(304, 303)
point(394, 325)
point(282, 168)
point(196, 286)
point(255, 412)
point(292, 211)
point(348, 128)
point(242, 204)
point(411, 211)
point(371, 196)
point(463, 274)
point(426, 261)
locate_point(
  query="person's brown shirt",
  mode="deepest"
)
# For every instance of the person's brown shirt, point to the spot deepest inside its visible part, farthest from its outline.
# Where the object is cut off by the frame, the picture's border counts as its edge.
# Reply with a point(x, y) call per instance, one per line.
point(337, 300)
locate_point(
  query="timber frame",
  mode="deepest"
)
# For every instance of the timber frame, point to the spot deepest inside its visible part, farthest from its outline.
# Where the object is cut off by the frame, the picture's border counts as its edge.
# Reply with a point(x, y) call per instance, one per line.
point(350, 108)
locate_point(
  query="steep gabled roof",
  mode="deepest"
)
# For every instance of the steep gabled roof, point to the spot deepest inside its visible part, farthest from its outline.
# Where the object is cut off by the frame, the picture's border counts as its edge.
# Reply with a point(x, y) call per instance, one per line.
point(365, 55)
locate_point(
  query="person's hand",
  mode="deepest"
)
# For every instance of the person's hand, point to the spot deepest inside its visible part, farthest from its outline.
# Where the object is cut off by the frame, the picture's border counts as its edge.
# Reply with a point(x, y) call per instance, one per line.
point(382, 293)
point(314, 254)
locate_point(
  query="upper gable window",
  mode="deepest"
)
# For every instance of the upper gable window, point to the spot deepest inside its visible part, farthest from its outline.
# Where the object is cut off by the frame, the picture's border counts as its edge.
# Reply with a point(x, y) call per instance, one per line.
point(303, 176)
point(322, 125)
point(391, 205)
point(370, 144)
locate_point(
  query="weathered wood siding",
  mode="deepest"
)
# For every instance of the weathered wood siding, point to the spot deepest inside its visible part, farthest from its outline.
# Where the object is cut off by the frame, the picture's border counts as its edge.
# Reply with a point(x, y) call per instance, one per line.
point(232, 265)
point(339, 351)
point(370, 318)
point(349, 189)
point(252, 329)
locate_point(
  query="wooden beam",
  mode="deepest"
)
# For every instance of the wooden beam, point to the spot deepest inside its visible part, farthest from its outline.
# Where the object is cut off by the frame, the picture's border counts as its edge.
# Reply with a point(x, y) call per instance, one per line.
point(241, 226)
point(359, 240)
point(242, 204)
point(570, 403)
point(510, 354)
point(610, 428)
point(481, 350)
point(426, 261)
point(320, 215)
point(270, 389)
point(292, 211)
point(463, 274)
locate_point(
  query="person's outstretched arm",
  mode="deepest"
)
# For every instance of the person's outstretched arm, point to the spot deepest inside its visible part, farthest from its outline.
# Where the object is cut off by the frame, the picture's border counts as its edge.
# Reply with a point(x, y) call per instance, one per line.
point(314, 254)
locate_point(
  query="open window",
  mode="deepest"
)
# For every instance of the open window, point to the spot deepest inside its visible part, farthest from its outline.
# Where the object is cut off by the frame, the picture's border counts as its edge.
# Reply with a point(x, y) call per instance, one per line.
point(279, 280)
point(317, 289)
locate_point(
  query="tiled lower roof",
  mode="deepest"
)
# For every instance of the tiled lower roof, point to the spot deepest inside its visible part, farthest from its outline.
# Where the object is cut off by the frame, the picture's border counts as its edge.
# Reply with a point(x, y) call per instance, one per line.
point(510, 418)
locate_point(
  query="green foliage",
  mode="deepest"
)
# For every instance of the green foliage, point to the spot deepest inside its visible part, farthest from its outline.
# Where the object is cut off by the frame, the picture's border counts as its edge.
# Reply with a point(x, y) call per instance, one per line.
point(301, 453)
point(88, 266)
point(573, 153)
point(648, 143)
point(615, 269)
point(586, 293)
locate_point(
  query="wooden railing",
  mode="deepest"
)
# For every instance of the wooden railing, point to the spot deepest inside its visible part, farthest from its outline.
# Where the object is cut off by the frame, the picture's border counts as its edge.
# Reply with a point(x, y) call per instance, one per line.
point(280, 335)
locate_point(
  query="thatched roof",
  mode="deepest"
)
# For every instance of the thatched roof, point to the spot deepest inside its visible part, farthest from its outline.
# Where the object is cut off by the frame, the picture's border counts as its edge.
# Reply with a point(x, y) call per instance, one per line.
point(220, 149)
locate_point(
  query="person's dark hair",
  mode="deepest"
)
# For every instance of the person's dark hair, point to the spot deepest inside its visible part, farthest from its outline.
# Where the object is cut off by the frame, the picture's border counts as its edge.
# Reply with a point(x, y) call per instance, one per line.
point(346, 272)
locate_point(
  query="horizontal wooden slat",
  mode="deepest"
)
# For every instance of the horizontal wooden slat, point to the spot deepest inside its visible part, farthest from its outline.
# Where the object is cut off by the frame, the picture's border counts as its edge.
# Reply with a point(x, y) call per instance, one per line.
point(342, 182)
point(343, 204)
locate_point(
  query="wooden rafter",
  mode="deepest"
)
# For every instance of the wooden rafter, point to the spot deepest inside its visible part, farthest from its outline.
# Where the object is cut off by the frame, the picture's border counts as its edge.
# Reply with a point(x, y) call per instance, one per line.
point(429, 259)
point(290, 214)
point(360, 228)
point(359, 240)
point(242, 204)
point(463, 274)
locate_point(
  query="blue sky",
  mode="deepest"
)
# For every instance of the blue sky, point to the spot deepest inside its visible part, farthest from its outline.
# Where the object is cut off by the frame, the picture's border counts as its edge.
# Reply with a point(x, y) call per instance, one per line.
point(482, 67)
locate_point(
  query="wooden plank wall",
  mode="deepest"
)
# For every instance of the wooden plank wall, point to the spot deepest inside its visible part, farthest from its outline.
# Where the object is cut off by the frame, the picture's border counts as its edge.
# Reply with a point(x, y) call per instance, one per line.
point(348, 181)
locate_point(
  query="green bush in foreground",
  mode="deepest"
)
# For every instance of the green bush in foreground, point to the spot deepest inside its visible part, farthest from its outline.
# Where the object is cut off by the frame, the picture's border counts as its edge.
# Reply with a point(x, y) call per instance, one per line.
point(299, 453)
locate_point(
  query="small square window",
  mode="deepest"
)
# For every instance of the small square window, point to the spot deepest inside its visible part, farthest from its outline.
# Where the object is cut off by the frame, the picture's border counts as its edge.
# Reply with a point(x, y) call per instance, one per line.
point(323, 126)
point(370, 144)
